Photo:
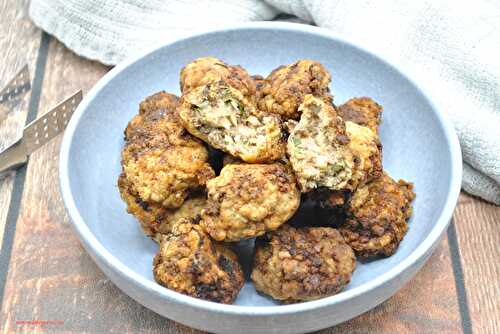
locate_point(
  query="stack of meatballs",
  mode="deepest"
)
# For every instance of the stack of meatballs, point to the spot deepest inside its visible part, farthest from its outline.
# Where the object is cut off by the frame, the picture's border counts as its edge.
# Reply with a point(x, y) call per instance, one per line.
point(239, 157)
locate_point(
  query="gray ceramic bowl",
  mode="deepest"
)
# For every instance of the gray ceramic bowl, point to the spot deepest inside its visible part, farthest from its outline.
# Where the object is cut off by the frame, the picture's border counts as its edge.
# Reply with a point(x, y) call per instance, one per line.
point(419, 145)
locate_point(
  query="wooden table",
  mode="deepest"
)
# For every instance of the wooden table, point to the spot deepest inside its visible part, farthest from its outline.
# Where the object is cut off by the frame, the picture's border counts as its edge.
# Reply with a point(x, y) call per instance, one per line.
point(45, 275)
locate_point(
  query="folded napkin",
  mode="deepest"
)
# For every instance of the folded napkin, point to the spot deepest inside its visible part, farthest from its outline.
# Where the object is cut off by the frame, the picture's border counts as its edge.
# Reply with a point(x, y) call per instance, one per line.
point(449, 47)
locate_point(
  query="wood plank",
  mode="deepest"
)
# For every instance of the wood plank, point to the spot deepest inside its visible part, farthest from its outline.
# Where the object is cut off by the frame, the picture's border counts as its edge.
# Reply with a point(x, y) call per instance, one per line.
point(6, 185)
point(427, 304)
point(19, 42)
point(478, 233)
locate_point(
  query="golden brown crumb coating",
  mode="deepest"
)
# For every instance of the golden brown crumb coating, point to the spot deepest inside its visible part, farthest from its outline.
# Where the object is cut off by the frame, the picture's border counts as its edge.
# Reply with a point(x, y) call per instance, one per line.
point(221, 116)
point(318, 148)
point(161, 160)
point(303, 264)
point(190, 263)
point(203, 71)
point(245, 201)
point(377, 217)
point(156, 219)
point(363, 111)
point(366, 149)
point(285, 88)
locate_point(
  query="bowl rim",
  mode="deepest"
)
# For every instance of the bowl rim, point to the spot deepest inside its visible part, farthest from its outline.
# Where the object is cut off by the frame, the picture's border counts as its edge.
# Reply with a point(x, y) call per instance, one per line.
point(108, 259)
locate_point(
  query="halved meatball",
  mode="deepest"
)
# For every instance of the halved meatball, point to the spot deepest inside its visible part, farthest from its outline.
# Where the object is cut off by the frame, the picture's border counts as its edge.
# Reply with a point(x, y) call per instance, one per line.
point(318, 148)
point(221, 116)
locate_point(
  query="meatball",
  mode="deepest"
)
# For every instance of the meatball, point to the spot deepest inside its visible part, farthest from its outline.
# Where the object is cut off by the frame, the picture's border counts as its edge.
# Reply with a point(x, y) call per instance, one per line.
point(293, 264)
point(318, 148)
point(362, 111)
point(161, 161)
point(287, 86)
point(221, 116)
point(377, 216)
point(203, 71)
point(156, 219)
point(246, 200)
point(190, 263)
point(367, 152)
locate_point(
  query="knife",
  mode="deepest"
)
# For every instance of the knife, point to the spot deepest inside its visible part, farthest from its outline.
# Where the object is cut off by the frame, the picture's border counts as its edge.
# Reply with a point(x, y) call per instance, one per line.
point(39, 132)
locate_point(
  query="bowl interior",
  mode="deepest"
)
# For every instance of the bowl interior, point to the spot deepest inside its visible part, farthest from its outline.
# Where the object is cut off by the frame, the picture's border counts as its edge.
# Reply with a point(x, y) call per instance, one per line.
point(415, 146)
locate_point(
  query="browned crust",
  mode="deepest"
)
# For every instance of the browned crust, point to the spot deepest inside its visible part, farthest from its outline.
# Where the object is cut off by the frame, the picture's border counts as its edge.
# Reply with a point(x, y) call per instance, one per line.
point(363, 111)
point(161, 160)
point(366, 148)
point(206, 70)
point(156, 219)
point(220, 136)
point(302, 264)
point(284, 89)
point(190, 263)
point(377, 217)
point(247, 200)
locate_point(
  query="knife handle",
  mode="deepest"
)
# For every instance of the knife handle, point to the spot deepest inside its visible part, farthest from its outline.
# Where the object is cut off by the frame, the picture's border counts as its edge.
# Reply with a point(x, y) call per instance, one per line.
point(13, 157)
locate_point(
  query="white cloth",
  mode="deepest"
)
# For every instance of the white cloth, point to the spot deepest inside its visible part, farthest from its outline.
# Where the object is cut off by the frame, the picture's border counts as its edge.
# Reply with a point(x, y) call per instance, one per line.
point(449, 47)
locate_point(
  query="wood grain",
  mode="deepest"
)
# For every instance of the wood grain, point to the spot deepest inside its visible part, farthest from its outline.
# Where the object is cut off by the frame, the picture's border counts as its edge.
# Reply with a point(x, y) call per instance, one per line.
point(19, 41)
point(5, 191)
point(478, 232)
point(427, 304)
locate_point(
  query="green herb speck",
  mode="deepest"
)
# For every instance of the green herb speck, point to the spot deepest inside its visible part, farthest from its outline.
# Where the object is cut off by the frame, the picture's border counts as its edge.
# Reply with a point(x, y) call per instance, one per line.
point(336, 168)
point(296, 141)
point(241, 109)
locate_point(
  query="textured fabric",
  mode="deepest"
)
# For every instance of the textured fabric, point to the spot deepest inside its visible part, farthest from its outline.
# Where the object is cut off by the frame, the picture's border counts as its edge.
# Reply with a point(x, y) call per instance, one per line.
point(111, 30)
point(449, 47)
